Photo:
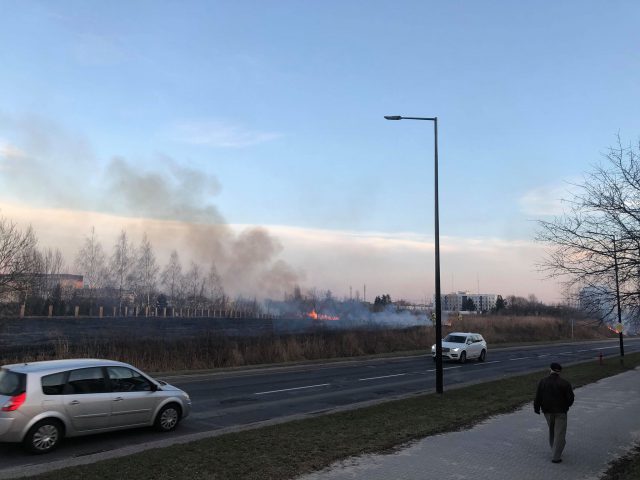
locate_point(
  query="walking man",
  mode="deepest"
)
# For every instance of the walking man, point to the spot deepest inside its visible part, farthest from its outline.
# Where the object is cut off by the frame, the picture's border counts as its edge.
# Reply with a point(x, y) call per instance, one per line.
point(554, 396)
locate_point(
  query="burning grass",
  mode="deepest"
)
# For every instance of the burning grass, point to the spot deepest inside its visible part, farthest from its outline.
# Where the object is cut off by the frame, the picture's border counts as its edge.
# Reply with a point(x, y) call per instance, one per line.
point(211, 350)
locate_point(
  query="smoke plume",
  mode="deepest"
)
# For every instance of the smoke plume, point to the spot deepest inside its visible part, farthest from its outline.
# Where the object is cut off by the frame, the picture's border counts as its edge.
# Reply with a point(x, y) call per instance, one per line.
point(45, 165)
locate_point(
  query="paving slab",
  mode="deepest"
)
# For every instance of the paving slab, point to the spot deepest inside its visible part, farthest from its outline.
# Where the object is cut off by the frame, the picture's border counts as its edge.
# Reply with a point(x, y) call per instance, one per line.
point(604, 424)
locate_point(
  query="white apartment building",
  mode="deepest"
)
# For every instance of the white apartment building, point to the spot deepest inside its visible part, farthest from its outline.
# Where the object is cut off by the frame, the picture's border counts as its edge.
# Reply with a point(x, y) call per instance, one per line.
point(453, 302)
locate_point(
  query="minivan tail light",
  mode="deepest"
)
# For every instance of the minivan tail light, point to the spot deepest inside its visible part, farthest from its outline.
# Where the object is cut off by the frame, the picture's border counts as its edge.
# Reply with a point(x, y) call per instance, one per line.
point(14, 402)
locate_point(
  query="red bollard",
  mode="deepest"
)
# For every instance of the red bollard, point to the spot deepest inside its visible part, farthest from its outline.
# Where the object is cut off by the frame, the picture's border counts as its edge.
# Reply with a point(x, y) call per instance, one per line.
point(600, 359)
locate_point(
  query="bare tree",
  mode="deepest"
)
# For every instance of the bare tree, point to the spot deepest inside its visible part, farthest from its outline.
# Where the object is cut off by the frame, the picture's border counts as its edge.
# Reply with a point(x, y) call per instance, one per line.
point(91, 262)
point(122, 261)
point(195, 283)
point(18, 257)
point(147, 268)
point(171, 277)
point(595, 244)
point(215, 291)
point(50, 265)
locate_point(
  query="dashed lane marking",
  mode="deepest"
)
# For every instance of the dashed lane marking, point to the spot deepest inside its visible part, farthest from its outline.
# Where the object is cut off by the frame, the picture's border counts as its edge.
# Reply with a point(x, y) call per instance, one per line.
point(295, 388)
point(383, 376)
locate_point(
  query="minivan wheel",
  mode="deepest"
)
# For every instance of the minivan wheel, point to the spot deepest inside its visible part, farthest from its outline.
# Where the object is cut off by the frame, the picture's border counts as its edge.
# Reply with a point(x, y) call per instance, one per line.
point(463, 357)
point(44, 436)
point(168, 418)
point(483, 356)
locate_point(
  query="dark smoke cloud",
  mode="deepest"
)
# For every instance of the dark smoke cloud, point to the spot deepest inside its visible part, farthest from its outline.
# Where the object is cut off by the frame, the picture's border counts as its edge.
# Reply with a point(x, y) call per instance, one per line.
point(248, 261)
point(172, 192)
point(58, 169)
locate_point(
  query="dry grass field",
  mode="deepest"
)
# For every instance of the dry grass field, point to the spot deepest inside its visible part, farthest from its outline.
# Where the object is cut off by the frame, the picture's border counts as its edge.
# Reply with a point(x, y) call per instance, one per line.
point(211, 350)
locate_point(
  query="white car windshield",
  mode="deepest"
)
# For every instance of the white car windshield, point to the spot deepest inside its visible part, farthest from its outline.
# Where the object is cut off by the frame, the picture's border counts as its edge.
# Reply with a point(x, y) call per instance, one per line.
point(455, 339)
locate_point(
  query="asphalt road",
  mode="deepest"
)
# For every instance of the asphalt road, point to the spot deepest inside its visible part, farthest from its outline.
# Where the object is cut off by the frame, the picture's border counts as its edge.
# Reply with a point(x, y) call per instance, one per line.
point(245, 397)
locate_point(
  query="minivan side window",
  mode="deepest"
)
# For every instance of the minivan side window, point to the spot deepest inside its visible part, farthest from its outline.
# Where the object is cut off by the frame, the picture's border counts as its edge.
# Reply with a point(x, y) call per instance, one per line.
point(86, 380)
point(126, 380)
point(53, 384)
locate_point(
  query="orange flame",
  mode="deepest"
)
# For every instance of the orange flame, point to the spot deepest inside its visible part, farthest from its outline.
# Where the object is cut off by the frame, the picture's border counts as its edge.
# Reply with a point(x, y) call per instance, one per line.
point(613, 329)
point(315, 316)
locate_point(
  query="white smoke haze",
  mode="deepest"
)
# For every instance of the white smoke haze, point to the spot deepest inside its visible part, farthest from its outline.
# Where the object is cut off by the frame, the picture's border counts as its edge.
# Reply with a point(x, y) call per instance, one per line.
point(296, 315)
point(43, 162)
point(600, 301)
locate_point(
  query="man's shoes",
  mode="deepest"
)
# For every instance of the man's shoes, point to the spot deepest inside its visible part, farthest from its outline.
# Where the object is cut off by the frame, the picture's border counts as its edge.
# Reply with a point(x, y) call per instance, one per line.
point(556, 461)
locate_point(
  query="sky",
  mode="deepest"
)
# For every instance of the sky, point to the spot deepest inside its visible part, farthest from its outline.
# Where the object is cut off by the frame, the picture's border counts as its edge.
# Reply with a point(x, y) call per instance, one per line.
point(250, 134)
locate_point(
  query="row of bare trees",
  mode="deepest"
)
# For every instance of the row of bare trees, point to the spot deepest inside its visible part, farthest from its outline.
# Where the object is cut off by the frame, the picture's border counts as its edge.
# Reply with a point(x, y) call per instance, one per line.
point(129, 276)
point(134, 272)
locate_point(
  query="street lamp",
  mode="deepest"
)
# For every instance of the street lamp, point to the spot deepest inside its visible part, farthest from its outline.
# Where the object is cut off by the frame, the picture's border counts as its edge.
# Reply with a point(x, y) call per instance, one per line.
point(439, 388)
point(620, 328)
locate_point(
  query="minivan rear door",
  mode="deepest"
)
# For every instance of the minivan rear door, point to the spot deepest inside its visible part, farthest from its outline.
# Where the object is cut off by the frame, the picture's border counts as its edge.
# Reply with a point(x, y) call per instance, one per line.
point(87, 400)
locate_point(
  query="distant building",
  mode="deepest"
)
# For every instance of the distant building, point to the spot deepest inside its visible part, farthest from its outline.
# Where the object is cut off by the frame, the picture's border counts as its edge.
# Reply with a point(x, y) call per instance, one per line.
point(65, 280)
point(38, 282)
point(416, 307)
point(454, 302)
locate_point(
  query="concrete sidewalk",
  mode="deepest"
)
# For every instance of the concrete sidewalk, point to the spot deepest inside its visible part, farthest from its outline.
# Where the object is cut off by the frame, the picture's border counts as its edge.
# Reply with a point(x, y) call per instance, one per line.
point(604, 423)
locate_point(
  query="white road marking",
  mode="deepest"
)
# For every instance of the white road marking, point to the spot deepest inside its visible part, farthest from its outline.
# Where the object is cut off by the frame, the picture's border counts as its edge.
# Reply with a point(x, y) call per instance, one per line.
point(519, 358)
point(295, 388)
point(604, 348)
point(446, 368)
point(487, 363)
point(384, 376)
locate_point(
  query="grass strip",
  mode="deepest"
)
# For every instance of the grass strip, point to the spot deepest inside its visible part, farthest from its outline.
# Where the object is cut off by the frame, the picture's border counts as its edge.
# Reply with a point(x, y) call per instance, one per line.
point(625, 468)
point(290, 449)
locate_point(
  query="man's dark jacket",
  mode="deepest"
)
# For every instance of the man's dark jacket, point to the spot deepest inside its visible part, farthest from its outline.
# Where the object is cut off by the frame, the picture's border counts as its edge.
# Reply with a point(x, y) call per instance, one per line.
point(554, 395)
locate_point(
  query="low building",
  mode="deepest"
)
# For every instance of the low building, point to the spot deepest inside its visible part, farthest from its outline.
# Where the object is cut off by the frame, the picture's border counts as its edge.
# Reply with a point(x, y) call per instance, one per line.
point(40, 283)
point(458, 301)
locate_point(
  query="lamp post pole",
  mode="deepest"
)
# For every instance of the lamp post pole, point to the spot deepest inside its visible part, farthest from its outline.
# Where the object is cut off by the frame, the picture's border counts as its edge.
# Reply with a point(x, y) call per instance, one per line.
point(438, 300)
point(615, 266)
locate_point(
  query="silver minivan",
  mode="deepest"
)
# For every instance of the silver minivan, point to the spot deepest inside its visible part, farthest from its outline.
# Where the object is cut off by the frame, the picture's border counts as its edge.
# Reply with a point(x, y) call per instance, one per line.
point(42, 402)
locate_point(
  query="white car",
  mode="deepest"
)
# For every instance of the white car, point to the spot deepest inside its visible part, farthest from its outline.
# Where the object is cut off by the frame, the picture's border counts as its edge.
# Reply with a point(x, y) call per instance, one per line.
point(462, 346)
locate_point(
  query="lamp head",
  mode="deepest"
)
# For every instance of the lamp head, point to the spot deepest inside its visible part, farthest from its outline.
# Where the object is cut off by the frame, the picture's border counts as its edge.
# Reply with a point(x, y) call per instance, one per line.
point(393, 117)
